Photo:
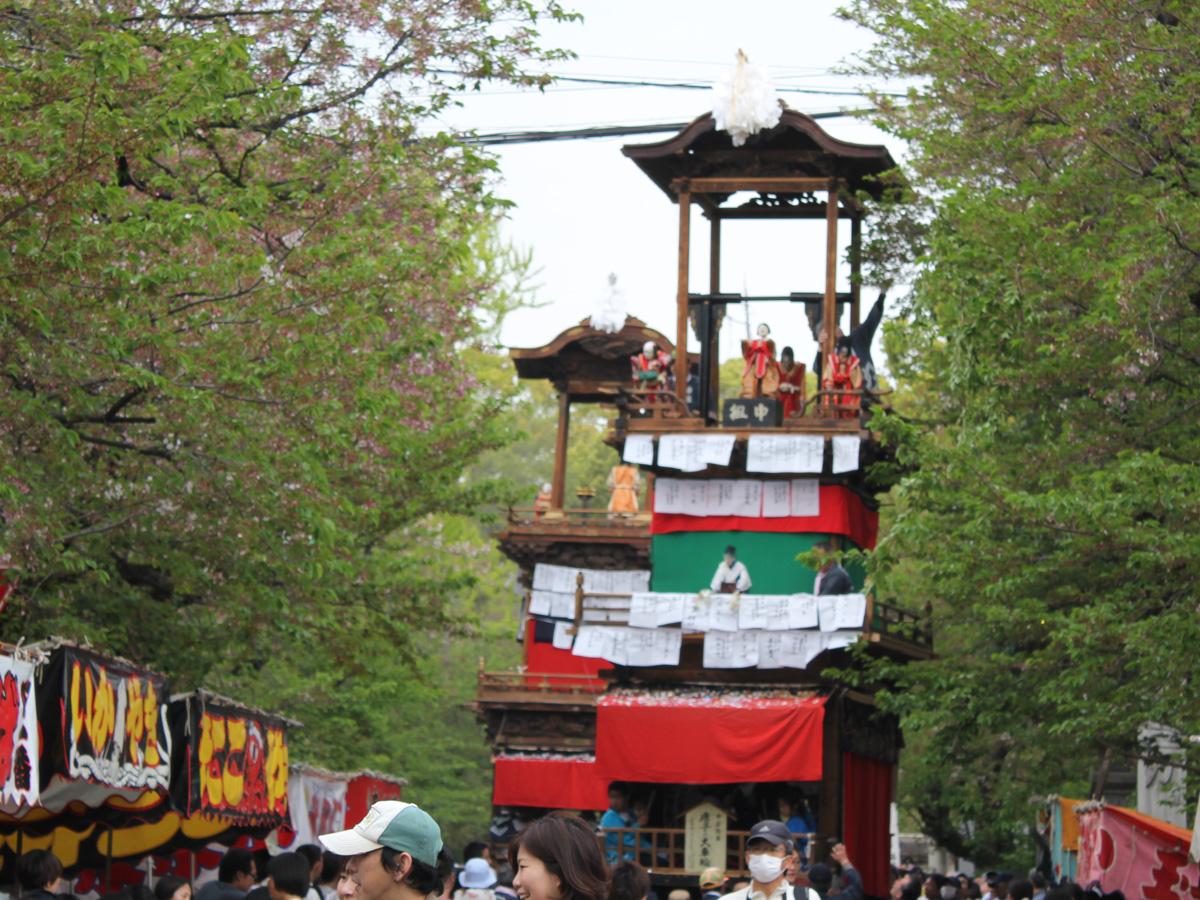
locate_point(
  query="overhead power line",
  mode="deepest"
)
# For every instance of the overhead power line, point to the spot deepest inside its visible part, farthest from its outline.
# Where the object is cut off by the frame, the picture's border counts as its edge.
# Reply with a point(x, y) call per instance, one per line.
point(683, 85)
point(602, 131)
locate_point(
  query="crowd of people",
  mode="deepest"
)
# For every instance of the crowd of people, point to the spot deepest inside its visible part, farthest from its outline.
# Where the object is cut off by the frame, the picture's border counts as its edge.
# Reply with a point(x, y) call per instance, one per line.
point(396, 853)
point(911, 883)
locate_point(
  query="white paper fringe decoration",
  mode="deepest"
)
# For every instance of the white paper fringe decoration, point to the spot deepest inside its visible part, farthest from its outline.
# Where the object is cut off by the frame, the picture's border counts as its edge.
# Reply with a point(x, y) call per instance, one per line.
point(745, 102)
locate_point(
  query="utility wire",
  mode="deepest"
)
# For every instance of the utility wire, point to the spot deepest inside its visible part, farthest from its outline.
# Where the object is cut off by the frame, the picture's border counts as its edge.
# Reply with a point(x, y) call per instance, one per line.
point(681, 85)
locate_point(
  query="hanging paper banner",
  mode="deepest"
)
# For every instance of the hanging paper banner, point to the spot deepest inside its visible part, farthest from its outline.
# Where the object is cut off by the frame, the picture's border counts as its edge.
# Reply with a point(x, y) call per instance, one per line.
point(19, 749)
point(316, 802)
point(231, 761)
point(104, 729)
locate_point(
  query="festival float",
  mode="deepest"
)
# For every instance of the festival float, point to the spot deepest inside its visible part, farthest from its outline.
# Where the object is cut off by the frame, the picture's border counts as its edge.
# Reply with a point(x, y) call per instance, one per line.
point(681, 652)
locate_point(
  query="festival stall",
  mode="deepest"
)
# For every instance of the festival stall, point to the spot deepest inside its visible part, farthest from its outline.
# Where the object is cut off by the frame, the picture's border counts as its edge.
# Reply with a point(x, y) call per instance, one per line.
point(231, 761)
point(85, 751)
point(1127, 851)
point(104, 737)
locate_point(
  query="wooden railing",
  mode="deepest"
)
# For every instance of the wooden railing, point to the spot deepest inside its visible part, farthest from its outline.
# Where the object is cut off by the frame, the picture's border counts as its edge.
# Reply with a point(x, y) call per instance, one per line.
point(552, 687)
point(900, 623)
point(823, 404)
point(567, 518)
point(661, 850)
point(656, 404)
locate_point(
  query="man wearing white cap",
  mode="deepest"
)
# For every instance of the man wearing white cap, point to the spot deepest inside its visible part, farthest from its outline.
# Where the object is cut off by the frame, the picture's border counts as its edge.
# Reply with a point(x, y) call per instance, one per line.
point(393, 852)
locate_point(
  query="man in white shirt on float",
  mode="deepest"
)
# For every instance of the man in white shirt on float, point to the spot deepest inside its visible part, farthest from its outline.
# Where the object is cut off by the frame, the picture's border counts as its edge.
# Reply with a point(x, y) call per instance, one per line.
point(731, 575)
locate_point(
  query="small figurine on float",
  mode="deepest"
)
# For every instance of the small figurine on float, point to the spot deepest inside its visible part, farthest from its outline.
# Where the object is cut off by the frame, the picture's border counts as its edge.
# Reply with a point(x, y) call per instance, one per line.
point(541, 502)
point(792, 386)
point(843, 374)
point(760, 378)
point(731, 576)
point(624, 481)
point(650, 368)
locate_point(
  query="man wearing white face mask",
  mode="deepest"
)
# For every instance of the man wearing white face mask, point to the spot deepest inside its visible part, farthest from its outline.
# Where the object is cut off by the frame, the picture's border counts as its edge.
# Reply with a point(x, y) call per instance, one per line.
point(769, 855)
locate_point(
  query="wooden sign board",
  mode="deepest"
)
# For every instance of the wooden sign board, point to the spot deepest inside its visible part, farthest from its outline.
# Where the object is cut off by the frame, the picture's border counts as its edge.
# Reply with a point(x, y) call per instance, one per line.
point(763, 412)
point(705, 838)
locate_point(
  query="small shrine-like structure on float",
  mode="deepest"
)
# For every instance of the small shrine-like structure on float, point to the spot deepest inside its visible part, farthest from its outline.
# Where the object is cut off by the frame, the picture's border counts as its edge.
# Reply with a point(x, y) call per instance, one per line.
point(688, 685)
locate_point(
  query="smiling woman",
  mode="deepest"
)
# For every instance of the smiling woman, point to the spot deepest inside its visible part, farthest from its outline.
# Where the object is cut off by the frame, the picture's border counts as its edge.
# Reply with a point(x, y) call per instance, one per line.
point(558, 858)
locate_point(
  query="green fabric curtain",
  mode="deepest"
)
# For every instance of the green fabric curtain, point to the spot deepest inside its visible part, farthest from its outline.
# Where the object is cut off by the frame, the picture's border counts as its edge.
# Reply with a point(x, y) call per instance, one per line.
point(685, 561)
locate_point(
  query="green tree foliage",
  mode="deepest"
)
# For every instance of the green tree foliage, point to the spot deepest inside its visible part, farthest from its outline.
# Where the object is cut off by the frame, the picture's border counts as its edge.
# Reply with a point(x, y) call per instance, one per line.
point(1050, 365)
point(527, 463)
point(241, 275)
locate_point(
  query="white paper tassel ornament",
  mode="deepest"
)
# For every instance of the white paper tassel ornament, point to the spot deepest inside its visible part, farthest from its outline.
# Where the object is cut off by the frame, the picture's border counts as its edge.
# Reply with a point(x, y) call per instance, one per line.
point(609, 313)
point(745, 102)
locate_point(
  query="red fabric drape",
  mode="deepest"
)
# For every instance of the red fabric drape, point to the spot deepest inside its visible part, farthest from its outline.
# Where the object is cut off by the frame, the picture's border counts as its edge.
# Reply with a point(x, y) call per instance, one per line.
point(548, 783)
point(842, 512)
point(541, 659)
point(709, 741)
point(867, 795)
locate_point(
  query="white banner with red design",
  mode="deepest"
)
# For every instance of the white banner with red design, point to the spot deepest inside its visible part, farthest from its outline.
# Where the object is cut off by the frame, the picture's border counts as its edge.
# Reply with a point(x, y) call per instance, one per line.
point(1142, 856)
point(19, 745)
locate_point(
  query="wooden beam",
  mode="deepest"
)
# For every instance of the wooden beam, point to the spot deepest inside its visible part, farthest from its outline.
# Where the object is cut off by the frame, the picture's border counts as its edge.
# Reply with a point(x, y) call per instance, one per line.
point(681, 297)
point(714, 287)
point(829, 304)
point(855, 269)
point(777, 184)
point(558, 487)
point(829, 810)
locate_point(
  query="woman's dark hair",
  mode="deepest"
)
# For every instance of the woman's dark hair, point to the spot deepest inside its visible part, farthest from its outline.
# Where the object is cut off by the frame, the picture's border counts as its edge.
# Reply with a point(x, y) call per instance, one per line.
point(422, 877)
point(629, 882)
point(570, 850)
point(165, 887)
point(38, 868)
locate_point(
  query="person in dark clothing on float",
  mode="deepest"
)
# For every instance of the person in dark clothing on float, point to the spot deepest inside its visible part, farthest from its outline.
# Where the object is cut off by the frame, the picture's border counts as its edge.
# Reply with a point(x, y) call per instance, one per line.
point(831, 577)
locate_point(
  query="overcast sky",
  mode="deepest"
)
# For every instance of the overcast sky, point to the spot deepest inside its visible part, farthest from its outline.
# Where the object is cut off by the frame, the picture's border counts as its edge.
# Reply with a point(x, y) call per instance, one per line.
point(584, 210)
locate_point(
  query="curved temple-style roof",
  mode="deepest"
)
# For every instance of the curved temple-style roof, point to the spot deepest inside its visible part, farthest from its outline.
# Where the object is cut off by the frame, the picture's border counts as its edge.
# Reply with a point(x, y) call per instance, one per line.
point(588, 364)
point(797, 146)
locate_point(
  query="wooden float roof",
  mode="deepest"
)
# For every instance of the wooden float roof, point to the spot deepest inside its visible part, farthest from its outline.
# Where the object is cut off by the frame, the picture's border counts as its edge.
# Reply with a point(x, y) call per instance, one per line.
point(589, 364)
point(796, 147)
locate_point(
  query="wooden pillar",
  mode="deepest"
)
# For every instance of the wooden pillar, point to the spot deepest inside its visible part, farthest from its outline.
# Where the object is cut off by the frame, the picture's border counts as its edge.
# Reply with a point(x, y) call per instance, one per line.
point(829, 307)
point(829, 812)
point(558, 486)
point(714, 287)
point(681, 298)
point(855, 269)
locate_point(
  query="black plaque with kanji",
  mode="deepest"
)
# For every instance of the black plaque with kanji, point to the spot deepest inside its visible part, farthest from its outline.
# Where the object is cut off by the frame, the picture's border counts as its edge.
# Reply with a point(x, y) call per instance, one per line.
point(760, 412)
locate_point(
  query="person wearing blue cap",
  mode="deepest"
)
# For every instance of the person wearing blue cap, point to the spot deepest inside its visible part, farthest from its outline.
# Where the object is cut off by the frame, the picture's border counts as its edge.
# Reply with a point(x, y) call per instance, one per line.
point(393, 852)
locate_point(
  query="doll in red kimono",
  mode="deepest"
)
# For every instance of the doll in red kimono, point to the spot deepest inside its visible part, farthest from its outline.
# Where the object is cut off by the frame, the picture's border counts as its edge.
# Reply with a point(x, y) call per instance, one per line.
point(760, 378)
point(791, 384)
point(843, 374)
